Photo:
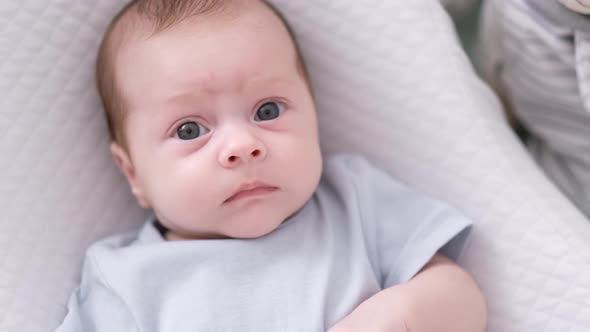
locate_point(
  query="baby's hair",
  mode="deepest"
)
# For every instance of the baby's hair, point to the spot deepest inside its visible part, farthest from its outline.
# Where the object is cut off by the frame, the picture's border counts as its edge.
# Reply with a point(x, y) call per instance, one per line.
point(159, 15)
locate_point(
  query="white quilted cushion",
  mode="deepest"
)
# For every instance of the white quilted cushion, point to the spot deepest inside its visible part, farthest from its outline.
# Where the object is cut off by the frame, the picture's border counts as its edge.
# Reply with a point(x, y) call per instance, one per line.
point(391, 83)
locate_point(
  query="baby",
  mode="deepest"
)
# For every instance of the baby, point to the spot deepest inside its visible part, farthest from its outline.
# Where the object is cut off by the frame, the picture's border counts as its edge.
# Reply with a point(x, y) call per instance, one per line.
point(214, 127)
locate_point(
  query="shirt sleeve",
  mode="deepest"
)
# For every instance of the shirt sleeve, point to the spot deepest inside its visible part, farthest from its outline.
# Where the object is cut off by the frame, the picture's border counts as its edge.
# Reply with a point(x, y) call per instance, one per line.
point(409, 227)
point(95, 307)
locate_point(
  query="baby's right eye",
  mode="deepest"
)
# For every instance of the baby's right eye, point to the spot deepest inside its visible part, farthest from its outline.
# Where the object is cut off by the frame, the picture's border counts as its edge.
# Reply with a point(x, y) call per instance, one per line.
point(190, 130)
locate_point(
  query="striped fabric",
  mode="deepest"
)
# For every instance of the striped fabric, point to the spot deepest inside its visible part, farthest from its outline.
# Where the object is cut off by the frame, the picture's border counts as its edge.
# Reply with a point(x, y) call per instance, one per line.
point(536, 53)
point(580, 6)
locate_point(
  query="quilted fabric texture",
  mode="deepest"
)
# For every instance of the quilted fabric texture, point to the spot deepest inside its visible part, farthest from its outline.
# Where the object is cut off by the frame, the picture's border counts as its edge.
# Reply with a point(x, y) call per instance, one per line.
point(391, 83)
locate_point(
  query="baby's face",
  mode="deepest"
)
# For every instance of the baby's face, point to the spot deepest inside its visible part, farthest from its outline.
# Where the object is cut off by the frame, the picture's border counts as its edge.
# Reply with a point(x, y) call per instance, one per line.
point(221, 127)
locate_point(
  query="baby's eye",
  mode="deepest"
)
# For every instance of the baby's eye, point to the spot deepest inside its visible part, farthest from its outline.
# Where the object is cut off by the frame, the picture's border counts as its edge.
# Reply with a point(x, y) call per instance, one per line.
point(190, 130)
point(268, 111)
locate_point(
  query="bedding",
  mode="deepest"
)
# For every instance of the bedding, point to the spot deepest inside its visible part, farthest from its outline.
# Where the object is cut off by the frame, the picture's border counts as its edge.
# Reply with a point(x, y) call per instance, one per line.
point(391, 82)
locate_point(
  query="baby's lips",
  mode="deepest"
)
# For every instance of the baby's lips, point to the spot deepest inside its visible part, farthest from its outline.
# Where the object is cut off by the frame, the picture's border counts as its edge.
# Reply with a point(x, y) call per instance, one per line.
point(249, 189)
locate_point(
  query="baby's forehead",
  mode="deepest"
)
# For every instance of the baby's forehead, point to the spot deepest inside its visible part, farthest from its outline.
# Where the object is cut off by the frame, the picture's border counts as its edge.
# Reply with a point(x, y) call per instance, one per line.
point(132, 26)
point(247, 24)
point(140, 19)
point(220, 55)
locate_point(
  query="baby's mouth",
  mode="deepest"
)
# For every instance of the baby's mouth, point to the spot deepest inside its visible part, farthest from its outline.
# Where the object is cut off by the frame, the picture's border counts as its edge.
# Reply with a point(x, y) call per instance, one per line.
point(250, 190)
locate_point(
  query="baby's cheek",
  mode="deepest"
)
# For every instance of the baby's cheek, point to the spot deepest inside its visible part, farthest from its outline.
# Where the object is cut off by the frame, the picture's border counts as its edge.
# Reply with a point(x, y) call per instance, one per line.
point(305, 163)
point(187, 196)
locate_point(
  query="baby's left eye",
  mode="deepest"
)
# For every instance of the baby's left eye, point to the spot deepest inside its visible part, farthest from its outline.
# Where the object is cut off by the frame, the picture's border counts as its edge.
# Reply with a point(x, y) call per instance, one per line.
point(269, 111)
point(190, 130)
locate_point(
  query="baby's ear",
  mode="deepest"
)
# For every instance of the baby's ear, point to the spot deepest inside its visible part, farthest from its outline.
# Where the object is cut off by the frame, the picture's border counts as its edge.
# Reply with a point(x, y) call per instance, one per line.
point(124, 163)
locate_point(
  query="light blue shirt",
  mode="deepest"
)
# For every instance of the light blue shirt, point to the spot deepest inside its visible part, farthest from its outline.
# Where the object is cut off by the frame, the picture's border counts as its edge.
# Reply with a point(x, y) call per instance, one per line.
point(360, 232)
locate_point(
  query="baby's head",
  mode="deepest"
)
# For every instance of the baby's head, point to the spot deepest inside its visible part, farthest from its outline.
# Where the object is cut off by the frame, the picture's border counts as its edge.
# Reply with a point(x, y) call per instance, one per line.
point(212, 119)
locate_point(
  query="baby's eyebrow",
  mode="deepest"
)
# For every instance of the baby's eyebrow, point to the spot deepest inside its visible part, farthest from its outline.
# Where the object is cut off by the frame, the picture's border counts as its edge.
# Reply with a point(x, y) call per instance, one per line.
point(184, 98)
point(267, 81)
point(192, 96)
point(182, 102)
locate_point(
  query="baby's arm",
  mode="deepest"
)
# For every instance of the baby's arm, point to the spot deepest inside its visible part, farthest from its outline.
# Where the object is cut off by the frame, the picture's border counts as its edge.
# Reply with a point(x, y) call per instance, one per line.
point(95, 307)
point(441, 297)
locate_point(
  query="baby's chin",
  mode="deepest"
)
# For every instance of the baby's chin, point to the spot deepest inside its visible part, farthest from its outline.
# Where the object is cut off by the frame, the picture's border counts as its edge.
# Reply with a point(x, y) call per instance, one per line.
point(255, 228)
point(253, 234)
point(245, 230)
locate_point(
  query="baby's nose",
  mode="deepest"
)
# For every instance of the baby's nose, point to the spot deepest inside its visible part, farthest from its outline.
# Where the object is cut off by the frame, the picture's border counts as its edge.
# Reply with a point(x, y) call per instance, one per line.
point(242, 150)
